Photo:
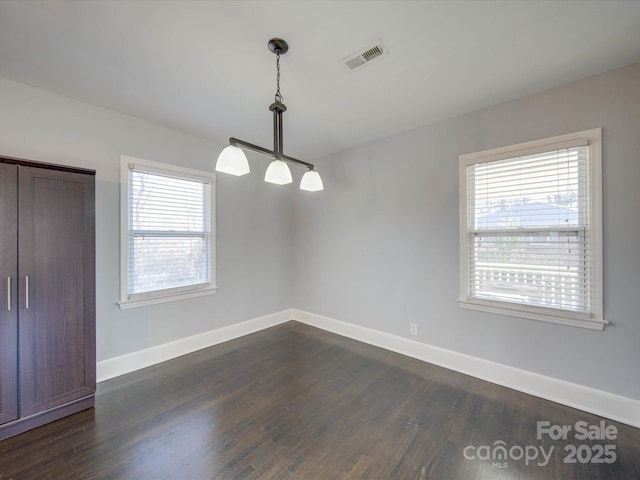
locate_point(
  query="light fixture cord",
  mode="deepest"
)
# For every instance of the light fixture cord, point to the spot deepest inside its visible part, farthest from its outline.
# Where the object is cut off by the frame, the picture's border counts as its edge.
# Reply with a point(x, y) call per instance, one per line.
point(278, 95)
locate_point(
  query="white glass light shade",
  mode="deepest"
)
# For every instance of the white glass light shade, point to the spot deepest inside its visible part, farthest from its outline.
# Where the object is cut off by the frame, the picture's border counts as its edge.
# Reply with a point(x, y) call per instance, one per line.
point(311, 181)
point(232, 160)
point(278, 172)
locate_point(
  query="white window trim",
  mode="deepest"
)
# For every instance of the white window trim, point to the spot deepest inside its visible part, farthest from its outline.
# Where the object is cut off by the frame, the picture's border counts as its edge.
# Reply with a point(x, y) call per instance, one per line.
point(169, 295)
point(595, 320)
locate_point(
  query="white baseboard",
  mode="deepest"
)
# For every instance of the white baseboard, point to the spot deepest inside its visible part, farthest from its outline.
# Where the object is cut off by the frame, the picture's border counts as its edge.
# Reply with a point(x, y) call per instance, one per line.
point(114, 367)
point(615, 407)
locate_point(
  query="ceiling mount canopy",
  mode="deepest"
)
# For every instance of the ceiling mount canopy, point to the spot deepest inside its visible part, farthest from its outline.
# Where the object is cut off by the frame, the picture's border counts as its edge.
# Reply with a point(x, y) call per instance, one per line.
point(233, 160)
point(278, 46)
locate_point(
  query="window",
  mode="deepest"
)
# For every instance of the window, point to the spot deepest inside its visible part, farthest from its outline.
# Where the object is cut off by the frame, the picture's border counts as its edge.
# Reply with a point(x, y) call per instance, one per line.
point(530, 227)
point(167, 222)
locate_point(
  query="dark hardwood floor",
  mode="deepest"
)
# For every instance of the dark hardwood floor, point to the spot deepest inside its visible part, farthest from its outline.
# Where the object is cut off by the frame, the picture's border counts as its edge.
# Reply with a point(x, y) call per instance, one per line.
point(296, 402)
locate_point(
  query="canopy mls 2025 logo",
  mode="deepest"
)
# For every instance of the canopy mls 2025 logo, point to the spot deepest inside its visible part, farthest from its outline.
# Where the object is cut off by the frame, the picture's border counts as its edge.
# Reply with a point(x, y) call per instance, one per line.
point(500, 453)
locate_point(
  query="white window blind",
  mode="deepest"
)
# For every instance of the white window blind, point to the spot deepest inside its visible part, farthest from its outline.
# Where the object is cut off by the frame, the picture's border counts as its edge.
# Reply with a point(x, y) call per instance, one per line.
point(529, 236)
point(528, 223)
point(169, 228)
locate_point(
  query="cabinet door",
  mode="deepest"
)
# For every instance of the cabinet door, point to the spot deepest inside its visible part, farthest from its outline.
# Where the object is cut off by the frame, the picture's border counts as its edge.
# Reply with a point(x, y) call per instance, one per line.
point(8, 297)
point(56, 266)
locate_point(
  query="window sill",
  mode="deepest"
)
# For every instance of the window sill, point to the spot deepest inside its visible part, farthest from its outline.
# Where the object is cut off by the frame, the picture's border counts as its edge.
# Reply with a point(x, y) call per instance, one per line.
point(143, 302)
point(534, 313)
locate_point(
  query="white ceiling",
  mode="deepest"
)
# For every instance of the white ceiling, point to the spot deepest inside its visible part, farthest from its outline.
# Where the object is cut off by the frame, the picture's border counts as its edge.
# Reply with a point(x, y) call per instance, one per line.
point(204, 67)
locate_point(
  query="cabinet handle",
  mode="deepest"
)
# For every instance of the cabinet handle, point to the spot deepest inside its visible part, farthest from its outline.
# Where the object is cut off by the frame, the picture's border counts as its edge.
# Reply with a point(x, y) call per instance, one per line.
point(26, 285)
point(9, 293)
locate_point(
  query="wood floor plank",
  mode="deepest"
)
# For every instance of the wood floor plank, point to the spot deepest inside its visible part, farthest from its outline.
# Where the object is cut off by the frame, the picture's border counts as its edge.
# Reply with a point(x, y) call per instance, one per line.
point(294, 402)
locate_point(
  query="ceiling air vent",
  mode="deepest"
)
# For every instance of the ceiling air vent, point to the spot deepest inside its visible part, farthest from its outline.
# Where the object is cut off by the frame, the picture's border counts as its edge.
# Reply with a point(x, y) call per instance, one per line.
point(364, 56)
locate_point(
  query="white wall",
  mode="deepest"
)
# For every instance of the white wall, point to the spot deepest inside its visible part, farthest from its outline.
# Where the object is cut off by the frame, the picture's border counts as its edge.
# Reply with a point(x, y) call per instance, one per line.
point(253, 218)
point(379, 247)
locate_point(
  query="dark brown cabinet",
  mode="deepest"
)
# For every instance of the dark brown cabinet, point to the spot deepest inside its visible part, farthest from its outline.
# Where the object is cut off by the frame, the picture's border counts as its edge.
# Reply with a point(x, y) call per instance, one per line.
point(47, 293)
point(8, 296)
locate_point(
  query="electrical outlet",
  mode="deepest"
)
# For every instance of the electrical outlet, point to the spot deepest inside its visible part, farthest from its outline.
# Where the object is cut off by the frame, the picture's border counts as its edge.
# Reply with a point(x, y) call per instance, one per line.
point(413, 329)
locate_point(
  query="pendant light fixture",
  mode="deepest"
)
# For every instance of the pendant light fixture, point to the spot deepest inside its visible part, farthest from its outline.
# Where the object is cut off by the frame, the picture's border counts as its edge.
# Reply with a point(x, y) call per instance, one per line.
point(233, 160)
